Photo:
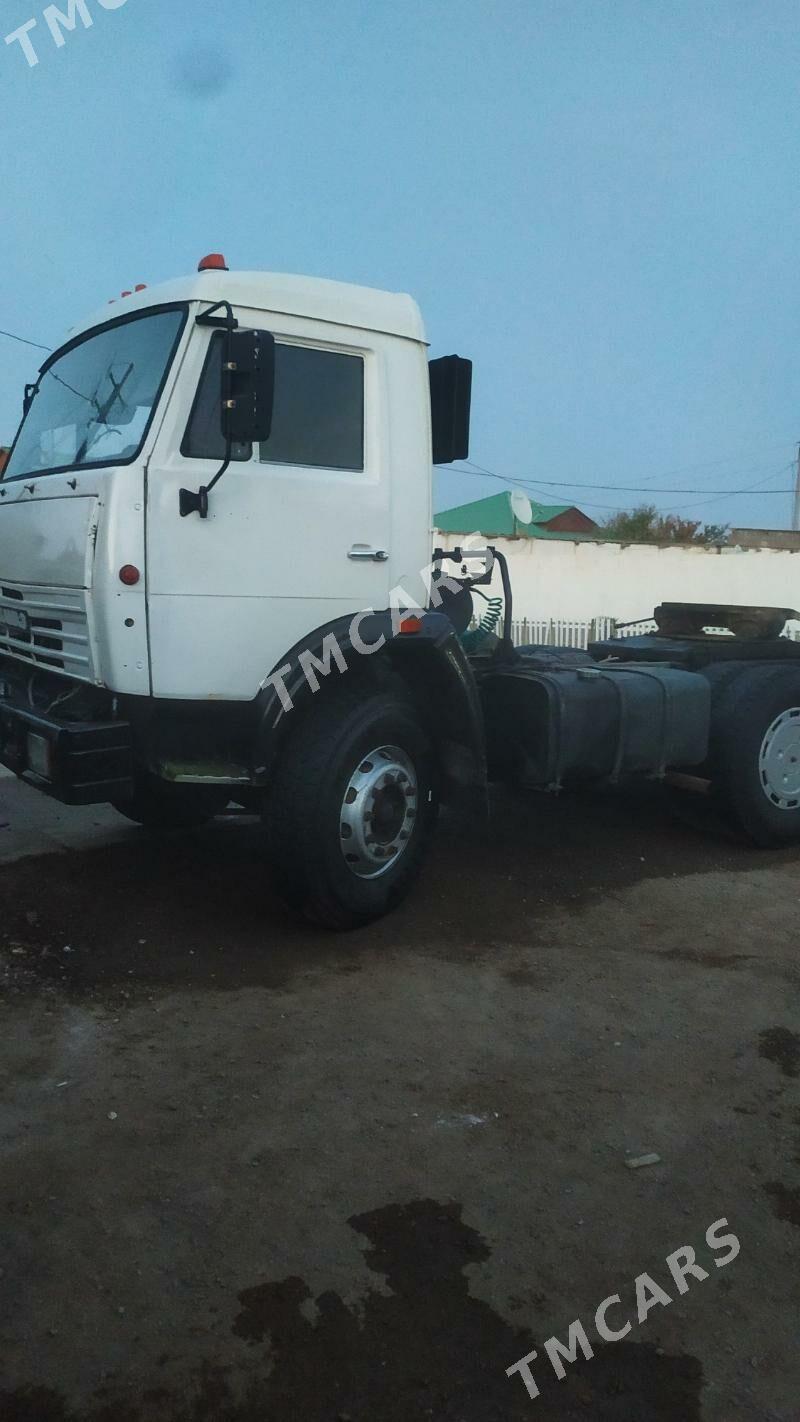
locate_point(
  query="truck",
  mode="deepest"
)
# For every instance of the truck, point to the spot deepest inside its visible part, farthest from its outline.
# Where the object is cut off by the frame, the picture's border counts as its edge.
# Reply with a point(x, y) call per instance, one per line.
point(218, 593)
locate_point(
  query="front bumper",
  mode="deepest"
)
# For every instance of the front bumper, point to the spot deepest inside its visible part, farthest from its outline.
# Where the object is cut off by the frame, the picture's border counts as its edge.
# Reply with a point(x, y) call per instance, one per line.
point(77, 762)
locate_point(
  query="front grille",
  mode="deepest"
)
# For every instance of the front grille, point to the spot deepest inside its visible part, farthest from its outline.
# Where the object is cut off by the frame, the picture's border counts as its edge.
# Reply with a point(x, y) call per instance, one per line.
point(46, 627)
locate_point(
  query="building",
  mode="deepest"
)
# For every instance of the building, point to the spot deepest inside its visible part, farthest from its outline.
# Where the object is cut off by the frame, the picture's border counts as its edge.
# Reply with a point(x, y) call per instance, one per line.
point(498, 517)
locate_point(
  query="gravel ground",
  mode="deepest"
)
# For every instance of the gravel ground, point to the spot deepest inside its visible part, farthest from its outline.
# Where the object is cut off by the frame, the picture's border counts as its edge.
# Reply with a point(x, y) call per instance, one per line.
point(250, 1171)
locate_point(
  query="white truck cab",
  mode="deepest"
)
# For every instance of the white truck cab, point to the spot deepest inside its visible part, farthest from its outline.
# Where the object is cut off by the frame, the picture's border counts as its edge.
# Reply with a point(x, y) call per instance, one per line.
point(320, 520)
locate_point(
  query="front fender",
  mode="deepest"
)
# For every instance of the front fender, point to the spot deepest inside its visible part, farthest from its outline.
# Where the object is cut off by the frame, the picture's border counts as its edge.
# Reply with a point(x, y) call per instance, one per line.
point(430, 660)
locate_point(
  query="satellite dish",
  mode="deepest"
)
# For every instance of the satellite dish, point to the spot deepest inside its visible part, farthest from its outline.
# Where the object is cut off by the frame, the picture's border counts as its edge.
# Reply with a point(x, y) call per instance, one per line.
point(521, 507)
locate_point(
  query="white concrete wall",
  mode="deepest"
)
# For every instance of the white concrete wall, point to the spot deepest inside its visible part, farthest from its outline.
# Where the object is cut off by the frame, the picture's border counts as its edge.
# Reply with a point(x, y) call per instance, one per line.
point(626, 581)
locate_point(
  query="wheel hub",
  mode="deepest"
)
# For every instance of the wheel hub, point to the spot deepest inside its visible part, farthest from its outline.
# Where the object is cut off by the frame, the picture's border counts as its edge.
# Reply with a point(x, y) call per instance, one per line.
point(779, 761)
point(379, 811)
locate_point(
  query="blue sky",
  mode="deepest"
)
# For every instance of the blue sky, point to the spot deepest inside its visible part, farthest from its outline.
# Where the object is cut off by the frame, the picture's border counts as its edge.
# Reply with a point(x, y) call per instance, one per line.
point(594, 199)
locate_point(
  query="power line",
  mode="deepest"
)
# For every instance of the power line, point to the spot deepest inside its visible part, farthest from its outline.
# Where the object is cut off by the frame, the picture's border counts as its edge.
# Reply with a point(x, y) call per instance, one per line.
point(480, 472)
point(617, 488)
point(537, 485)
point(23, 342)
point(723, 459)
point(713, 463)
point(757, 487)
point(509, 479)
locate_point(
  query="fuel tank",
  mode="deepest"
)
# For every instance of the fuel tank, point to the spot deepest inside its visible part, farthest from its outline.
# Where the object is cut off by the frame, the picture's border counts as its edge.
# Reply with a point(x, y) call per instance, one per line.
point(552, 718)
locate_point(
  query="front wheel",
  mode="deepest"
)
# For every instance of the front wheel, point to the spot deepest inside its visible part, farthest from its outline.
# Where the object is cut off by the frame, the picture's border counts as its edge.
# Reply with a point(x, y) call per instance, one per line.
point(350, 812)
point(756, 759)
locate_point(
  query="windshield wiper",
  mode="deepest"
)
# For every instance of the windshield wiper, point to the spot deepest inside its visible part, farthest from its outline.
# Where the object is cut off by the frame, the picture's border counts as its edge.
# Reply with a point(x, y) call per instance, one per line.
point(104, 410)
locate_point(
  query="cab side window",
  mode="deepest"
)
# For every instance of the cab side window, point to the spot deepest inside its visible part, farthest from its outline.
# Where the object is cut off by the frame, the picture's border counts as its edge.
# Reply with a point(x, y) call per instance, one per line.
point(319, 410)
point(318, 419)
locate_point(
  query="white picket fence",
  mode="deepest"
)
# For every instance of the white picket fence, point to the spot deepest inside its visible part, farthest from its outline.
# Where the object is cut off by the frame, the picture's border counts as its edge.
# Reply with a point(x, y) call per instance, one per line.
point(569, 632)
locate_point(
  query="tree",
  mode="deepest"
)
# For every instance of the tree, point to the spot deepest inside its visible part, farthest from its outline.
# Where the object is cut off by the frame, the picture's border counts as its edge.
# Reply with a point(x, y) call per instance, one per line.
point(716, 532)
point(645, 524)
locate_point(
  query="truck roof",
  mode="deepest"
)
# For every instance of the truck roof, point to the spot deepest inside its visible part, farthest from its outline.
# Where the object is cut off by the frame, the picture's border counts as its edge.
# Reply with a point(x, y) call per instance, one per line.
point(363, 307)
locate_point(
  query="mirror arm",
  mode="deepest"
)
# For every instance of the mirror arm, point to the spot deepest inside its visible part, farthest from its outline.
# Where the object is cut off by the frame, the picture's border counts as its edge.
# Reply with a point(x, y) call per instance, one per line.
point(221, 471)
point(228, 322)
point(191, 502)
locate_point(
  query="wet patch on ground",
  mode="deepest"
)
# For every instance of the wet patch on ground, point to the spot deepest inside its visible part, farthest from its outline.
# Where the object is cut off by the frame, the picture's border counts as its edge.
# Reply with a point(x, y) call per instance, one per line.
point(426, 1348)
point(785, 1202)
point(152, 913)
point(782, 1047)
point(707, 960)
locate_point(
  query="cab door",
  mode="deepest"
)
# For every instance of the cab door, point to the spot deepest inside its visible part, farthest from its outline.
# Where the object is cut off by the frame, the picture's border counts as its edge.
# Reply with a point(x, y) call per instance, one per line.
point(298, 528)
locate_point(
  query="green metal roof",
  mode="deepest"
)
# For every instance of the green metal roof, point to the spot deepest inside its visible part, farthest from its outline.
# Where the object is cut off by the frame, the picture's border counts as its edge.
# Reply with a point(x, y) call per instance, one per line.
point(494, 517)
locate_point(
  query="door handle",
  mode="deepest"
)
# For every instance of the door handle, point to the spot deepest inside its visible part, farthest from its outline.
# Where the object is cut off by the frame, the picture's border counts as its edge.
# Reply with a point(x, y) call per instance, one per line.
point(361, 553)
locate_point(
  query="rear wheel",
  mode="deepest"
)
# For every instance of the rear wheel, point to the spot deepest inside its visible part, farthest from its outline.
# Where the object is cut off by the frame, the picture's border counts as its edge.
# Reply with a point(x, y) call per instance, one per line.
point(351, 809)
point(757, 757)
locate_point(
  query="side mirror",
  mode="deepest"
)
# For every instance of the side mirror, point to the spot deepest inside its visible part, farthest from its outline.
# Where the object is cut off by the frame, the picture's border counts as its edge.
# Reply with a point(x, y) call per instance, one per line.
point(27, 399)
point(451, 399)
point(248, 396)
point(248, 386)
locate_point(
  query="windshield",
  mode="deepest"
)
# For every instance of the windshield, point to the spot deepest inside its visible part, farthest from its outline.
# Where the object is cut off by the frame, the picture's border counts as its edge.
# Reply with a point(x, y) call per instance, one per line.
point(94, 403)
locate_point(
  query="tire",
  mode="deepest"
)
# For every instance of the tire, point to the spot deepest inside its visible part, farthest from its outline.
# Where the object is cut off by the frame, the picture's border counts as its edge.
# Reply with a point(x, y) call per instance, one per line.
point(159, 805)
point(349, 815)
point(755, 759)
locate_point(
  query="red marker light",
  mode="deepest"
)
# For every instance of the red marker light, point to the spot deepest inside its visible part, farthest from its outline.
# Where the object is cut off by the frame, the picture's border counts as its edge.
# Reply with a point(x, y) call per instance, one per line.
point(214, 262)
point(129, 575)
point(141, 287)
point(126, 293)
point(409, 625)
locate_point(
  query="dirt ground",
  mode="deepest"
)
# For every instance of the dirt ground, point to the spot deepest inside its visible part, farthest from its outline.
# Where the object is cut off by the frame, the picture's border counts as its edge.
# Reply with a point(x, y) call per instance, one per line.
point(251, 1171)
